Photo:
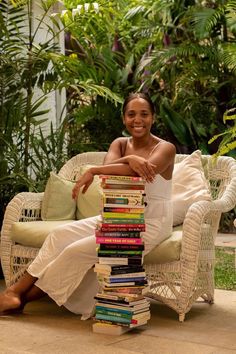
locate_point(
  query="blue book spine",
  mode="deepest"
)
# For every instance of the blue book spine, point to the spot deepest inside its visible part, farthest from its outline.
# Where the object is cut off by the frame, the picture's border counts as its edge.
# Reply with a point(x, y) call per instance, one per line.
point(123, 280)
point(100, 316)
point(104, 308)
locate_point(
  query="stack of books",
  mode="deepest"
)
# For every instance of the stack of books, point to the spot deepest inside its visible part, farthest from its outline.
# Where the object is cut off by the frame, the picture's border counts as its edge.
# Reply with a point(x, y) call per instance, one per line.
point(121, 304)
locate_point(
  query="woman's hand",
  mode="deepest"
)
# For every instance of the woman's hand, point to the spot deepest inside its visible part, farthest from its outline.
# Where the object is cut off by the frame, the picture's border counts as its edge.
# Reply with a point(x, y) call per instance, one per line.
point(142, 167)
point(85, 180)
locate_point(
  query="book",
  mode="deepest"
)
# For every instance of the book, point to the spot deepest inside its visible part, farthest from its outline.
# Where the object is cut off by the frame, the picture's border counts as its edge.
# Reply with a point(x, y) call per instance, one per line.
point(123, 301)
point(123, 283)
point(118, 253)
point(120, 227)
point(118, 234)
point(143, 305)
point(115, 319)
point(122, 179)
point(121, 260)
point(120, 186)
point(121, 247)
point(117, 200)
point(108, 215)
point(120, 310)
point(127, 193)
point(124, 279)
point(138, 290)
point(122, 221)
point(139, 210)
point(110, 329)
point(117, 269)
point(116, 241)
point(124, 207)
point(129, 326)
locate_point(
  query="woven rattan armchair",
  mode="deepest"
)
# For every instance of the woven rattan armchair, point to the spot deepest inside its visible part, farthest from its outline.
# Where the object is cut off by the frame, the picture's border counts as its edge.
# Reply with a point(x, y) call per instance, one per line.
point(177, 284)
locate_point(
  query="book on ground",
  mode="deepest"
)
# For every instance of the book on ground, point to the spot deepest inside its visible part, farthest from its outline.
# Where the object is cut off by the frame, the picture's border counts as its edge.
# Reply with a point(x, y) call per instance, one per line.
point(110, 329)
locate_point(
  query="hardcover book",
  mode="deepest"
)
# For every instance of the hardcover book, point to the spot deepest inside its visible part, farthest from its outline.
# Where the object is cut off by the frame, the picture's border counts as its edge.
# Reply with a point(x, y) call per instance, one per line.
point(122, 179)
point(121, 234)
point(121, 260)
point(121, 247)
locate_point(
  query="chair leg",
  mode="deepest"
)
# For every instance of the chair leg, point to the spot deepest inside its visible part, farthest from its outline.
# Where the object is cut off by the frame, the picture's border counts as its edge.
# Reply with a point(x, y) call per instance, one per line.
point(181, 317)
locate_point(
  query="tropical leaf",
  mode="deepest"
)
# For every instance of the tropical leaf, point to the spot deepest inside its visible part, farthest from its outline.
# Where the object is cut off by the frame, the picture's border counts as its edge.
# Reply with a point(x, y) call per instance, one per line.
point(176, 124)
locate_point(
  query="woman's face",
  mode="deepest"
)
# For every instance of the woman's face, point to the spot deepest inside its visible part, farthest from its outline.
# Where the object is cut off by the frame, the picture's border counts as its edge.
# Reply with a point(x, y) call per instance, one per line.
point(138, 117)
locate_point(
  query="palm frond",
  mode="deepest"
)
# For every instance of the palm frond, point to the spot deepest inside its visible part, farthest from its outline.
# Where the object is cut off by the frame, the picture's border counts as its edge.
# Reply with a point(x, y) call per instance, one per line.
point(204, 21)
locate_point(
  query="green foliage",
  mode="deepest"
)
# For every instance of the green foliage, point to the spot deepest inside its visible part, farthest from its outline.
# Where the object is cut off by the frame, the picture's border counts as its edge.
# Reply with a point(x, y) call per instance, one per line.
point(228, 142)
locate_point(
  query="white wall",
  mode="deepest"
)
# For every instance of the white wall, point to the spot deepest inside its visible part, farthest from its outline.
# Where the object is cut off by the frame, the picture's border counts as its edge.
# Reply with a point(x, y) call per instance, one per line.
point(55, 101)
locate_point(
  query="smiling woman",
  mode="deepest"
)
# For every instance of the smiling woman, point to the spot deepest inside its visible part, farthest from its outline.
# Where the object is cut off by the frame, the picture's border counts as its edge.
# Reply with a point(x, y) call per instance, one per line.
point(63, 268)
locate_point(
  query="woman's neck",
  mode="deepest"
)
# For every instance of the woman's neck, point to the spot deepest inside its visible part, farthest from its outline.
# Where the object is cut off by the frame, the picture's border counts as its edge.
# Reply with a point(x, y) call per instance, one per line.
point(142, 143)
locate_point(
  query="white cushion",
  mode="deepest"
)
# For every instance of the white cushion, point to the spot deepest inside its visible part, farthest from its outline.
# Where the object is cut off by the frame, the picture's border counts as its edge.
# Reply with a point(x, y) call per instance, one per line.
point(189, 185)
point(90, 202)
point(33, 233)
point(58, 203)
point(167, 251)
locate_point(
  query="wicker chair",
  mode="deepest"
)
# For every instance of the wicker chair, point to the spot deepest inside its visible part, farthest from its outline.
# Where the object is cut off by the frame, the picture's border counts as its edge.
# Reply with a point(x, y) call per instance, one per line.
point(177, 284)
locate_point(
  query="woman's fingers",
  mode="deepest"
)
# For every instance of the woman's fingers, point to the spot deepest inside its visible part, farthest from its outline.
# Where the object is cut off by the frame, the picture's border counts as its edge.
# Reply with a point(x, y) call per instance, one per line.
point(75, 191)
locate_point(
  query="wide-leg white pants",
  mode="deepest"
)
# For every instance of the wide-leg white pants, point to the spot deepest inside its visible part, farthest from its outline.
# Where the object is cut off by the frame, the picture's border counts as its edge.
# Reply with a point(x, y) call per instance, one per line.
point(68, 253)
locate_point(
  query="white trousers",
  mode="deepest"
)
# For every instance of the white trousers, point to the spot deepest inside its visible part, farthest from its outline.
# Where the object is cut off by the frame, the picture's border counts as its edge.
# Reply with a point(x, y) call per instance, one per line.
point(68, 253)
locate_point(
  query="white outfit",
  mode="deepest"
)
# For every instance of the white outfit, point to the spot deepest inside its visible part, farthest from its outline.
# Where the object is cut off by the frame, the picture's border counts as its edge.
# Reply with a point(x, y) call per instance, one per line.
point(64, 263)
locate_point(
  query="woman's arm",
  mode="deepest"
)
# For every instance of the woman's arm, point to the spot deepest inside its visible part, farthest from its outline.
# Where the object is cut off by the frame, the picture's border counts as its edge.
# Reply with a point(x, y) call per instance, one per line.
point(141, 166)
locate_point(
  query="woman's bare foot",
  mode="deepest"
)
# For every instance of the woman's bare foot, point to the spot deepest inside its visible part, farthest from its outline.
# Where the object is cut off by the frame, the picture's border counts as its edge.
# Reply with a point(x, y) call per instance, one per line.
point(9, 301)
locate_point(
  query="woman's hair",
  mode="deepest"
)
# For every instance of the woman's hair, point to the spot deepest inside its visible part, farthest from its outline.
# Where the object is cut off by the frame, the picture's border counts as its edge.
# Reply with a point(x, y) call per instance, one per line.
point(142, 95)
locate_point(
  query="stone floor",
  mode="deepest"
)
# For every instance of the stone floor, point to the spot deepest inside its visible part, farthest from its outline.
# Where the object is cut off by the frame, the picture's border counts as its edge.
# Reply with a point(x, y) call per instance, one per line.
point(46, 328)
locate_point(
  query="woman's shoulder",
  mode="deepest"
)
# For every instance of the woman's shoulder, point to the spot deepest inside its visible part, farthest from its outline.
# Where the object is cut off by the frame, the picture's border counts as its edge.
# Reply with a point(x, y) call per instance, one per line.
point(121, 141)
point(165, 145)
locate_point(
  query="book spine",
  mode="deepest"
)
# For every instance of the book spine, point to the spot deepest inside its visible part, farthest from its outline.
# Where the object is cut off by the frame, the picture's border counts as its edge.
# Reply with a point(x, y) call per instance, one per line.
point(112, 322)
point(125, 216)
point(114, 313)
point(124, 179)
point(104, 308)
point(124, 210)
point(116, 186)
point(115, 253)
point(122, 247)
point(127, 275)
point(119, 241)
point(114, 318)
point(123, 201)
point(121, 260)
point(127, 194)
point(117, 280)
point(121, 227)
point(118, 234)
point(123, 221)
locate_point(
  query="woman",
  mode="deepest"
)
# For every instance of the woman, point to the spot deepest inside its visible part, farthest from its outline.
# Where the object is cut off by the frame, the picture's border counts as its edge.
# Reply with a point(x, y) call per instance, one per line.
point(63, 268)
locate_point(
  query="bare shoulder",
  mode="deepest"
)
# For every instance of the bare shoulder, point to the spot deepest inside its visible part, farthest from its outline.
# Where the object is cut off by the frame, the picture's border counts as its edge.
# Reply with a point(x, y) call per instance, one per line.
point(167, 147)
point(164, 157)
point(120, 141)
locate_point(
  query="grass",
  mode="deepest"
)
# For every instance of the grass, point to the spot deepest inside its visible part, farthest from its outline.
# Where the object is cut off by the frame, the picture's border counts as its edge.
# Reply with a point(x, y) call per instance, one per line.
point(225, 272)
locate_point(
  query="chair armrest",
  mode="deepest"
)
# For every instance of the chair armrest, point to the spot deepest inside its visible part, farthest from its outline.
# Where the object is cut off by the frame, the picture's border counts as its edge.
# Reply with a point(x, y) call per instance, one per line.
point(202, 221)
point(25, 206)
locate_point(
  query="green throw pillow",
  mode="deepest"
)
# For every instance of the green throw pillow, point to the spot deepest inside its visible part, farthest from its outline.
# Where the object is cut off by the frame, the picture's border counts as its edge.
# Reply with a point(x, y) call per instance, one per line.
point(57, 202)
point(90, 203)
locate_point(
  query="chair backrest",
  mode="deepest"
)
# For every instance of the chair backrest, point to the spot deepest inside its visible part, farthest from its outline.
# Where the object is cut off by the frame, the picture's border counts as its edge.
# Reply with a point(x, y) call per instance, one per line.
point(71, 169)
point(219, 173)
